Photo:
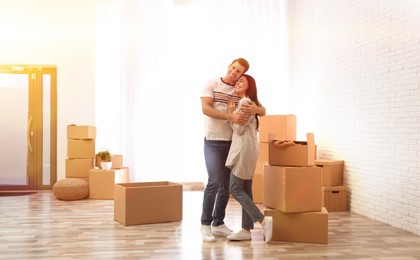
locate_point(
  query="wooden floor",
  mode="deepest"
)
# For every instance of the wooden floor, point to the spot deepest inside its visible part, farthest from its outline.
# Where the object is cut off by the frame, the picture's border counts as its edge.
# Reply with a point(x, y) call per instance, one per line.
point(38, 226)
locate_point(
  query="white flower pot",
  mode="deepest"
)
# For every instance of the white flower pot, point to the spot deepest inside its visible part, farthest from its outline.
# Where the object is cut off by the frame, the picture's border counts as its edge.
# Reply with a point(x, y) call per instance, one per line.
point(106, 165)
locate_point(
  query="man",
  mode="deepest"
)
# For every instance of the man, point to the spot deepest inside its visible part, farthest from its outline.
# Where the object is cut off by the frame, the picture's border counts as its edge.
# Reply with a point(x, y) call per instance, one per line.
point(218, 135)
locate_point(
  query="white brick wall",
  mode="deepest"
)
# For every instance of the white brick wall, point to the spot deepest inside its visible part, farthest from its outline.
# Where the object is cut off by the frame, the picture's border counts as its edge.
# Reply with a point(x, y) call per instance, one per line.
point(357, 86)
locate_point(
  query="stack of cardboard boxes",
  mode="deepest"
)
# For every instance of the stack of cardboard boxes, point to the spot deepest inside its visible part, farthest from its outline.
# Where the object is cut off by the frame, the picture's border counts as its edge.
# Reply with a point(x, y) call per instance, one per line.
point(80, 163)
point(102, 182)
point(134, 203)
point(281, 127)
point(334, 195)
point(80, 151)
point(292, 190)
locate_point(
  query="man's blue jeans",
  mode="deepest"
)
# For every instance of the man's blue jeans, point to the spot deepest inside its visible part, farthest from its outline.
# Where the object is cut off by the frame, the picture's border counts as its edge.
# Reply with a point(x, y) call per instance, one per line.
point(216, 194)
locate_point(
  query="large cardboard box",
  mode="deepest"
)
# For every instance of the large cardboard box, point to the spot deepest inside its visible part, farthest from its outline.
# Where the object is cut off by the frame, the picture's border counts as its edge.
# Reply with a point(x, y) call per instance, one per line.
point(263, 151)
point(300, 154)
point(257, 186)
point(85, 179)
point(78, 168)
point(307, 227)
point(332, 172)
point(81, 132)
point(147, 202)
point(259, 168)
point(292, 189)
point(102, 182)
point(80, 148)
point(282, 126)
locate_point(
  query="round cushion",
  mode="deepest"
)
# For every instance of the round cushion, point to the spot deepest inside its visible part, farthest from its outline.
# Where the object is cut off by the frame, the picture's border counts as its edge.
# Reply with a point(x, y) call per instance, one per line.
point(71, 189)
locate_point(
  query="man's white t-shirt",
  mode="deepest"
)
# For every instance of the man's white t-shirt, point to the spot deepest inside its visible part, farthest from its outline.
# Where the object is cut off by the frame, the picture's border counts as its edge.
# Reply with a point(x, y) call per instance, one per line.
point(217, 129)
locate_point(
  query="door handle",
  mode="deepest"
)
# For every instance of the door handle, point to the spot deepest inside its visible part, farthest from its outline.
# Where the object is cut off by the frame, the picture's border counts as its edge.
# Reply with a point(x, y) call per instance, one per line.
point(29, 133)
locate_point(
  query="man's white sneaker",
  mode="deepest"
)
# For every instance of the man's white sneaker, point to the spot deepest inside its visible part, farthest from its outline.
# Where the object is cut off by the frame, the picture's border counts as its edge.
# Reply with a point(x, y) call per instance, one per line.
point(267, 226)
point(221, 230)
point(206, 234)
point(240, 235)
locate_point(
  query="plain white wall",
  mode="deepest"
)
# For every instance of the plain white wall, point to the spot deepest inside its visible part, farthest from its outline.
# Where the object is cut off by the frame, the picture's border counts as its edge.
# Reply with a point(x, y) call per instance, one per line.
point(55, 33)
point(357, 86)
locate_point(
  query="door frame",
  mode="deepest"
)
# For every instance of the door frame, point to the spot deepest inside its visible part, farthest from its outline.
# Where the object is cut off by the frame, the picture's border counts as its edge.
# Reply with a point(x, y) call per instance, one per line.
point(34, 167)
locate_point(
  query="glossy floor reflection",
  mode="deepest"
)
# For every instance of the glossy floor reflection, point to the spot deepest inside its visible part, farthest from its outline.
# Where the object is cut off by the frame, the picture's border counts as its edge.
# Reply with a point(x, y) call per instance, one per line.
point(39, 226)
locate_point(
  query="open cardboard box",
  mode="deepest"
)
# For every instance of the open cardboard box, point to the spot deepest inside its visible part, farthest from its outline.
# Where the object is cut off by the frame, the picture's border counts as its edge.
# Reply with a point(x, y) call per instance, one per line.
point(147, 202)
point(300, 154)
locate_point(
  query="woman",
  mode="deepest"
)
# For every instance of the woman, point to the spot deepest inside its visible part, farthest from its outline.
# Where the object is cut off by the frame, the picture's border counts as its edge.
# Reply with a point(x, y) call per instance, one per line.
point(242, 160)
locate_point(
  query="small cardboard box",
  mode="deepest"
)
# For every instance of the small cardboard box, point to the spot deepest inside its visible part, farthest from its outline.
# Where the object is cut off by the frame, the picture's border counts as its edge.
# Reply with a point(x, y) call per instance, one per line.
point(292, 189)
point(102, 182)
point(307, 227)
point(147, 202)
point(257, 184)
point(282, 126)
point(81, 132)
point(332, 172)
point(300, 154)
point(81, 148)
point(78, 168)
point(335, 198)
point(116, 159)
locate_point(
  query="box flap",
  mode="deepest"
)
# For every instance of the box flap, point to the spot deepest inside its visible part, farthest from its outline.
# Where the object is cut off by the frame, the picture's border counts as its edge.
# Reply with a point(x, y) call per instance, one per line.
point(310, 138)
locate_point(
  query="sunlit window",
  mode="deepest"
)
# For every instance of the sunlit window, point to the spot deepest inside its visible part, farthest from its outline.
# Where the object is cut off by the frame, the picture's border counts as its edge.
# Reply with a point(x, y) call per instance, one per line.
point(154, 57)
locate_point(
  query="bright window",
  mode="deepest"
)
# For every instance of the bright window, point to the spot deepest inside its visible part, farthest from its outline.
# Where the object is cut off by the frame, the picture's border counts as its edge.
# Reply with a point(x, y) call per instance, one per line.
point(153, 58)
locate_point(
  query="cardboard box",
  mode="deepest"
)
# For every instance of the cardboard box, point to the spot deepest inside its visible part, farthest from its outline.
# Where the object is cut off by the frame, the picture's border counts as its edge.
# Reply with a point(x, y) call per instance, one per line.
point(263, 151)
point(78, 168)
point(102, 182)
point(292, 189)
point(116, 159)
point(332, 172)
point(300, 154)
point(257, 185)
point(335, 198)
point(283, 126)
point(81, 148)
point(81, 132)
point(307, 227)
point(85, 179)
point(259, 168)
point(147, 202)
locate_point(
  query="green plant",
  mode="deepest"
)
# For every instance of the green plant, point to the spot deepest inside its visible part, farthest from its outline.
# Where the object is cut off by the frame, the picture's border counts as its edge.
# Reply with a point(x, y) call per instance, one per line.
point(104, 155)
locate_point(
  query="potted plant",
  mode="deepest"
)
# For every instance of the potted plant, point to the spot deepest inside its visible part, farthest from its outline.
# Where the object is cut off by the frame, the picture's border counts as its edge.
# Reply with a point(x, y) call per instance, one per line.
point(105, 159)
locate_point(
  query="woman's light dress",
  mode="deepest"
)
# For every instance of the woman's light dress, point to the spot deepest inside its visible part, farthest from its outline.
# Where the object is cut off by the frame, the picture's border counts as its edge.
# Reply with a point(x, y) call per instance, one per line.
point(243, 153)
